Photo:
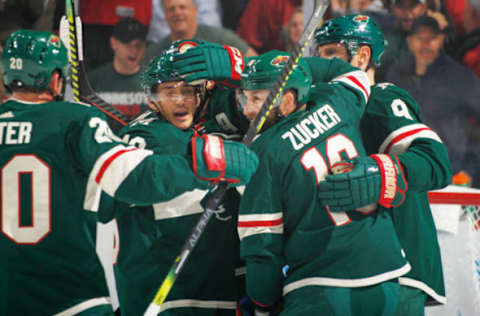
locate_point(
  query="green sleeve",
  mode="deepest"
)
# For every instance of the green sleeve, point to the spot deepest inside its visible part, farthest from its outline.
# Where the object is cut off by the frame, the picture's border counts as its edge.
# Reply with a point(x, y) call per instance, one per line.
point(158, 178)
point(111, 208)
point(131, 175)
point(392, 124)
point(324, 70)
point(426, 165)
point(261, 234)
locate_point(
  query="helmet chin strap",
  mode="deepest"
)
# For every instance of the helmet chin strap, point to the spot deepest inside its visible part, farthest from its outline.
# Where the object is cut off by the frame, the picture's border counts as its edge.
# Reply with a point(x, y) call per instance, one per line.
point(61, 94)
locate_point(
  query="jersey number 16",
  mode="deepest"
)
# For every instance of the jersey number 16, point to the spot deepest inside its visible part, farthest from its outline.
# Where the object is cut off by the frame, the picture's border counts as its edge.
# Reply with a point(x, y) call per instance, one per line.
point(313, 159)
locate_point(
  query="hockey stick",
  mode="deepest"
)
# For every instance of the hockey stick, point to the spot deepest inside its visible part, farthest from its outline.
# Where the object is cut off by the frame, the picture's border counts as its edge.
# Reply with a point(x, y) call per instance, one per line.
point(82, 91)
point(219, 190)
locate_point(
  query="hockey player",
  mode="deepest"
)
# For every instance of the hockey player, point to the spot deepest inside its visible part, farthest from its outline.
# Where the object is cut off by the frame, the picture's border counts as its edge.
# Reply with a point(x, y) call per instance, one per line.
point(151, 236)
point(391, 125)
point(339, 263)
point(56, 157)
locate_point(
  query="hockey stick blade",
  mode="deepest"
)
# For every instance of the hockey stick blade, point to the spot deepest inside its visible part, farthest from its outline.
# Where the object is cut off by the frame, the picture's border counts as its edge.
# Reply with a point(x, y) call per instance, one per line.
point(82, 90)
point(218, 191)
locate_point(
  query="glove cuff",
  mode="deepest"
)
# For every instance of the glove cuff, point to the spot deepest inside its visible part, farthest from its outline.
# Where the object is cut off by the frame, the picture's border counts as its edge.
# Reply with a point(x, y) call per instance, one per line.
point(391, 172)
point(208, 157)
point(237, 62)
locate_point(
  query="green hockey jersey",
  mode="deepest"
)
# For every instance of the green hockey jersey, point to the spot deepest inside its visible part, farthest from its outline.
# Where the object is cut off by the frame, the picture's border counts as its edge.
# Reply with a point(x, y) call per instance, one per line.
point(151, 237)
point(392, 125)
point(281, 222)
point(55, 159)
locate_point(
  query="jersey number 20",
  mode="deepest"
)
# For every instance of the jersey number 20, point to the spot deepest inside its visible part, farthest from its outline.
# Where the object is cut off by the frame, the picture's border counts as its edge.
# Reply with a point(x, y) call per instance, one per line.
point(39, 199)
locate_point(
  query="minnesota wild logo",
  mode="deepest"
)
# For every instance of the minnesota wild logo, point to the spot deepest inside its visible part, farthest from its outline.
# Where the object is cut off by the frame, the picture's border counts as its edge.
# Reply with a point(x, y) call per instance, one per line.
point(54, 40)
point(361, 18)
point(280, 61)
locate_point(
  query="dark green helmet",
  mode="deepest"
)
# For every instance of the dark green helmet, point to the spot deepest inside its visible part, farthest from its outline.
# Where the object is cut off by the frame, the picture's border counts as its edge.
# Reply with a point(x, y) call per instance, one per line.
point(262, 71)
point(30, 57)
point(161, 68)
point(353, 30)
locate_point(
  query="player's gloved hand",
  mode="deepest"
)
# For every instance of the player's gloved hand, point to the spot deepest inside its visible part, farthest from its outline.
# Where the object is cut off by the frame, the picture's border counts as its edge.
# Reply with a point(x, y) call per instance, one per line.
point(210, 61)
point(375, 179)
point(215, 159)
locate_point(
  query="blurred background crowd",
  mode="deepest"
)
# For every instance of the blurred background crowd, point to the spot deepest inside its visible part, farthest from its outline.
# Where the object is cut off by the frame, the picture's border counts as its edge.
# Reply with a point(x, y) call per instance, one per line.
point(433, 48)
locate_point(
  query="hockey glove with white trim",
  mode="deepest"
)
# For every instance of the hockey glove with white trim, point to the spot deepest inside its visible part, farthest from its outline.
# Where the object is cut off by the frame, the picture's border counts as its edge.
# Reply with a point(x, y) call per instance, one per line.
point(210, 61)
point(375, 179)
point(217, 160)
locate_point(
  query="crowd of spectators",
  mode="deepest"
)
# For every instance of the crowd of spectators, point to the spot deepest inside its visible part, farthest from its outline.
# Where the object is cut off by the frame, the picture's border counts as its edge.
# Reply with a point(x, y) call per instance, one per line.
point(433, 47)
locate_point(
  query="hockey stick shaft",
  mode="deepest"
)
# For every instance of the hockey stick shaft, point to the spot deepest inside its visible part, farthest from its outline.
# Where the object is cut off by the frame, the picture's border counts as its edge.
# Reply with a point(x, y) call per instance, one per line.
point(82, 91)
point(219, 191)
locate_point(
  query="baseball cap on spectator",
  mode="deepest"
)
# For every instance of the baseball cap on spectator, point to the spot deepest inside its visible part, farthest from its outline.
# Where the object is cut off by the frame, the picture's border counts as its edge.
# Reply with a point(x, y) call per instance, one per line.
point(425, 21)
point(129, 29)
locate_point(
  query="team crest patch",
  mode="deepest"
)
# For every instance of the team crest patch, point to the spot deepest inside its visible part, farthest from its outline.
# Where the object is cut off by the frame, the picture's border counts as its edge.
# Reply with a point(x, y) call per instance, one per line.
point(54, 40)
point(280, 61)
point(184, 46)
point(361, 18)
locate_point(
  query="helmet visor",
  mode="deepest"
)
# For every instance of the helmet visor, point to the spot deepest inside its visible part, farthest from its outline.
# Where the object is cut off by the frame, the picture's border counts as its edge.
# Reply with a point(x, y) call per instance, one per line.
point(249, 102)
point(175, 92)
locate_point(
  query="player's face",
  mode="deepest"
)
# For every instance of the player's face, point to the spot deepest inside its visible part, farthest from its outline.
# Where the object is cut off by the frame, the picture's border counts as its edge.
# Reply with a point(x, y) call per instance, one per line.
point(180, 14)
point(177, 102)
point(425, 45)
point(250, 101)
point(332, 50)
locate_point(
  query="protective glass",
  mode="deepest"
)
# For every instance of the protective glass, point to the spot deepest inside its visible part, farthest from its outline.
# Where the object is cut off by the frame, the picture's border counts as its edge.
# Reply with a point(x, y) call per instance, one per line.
point(331, 50)
point(254, 98)
point(176, 92)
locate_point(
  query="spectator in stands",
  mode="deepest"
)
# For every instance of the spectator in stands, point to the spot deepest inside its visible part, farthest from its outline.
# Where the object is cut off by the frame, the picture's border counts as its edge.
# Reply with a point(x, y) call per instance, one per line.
point(181, 16)
point(447, 92)
point(27, 14)
point(466, 20)
point(293, 30)
point(118, 82)
point(209, 13)
point(231, 10)
point(372, 8)
point(262, 21)
point(99, 17)
point(404, 11)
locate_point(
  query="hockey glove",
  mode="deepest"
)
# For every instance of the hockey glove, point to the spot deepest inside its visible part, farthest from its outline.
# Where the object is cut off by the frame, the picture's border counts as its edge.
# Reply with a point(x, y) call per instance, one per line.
point(215, 159)
point(375, 179)
point(210, 61)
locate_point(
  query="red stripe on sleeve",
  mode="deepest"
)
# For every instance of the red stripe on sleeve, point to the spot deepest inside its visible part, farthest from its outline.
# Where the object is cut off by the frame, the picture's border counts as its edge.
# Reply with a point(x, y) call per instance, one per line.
point(260, 223)
point(402, 136)
point(358, 83)
point(109, 161)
